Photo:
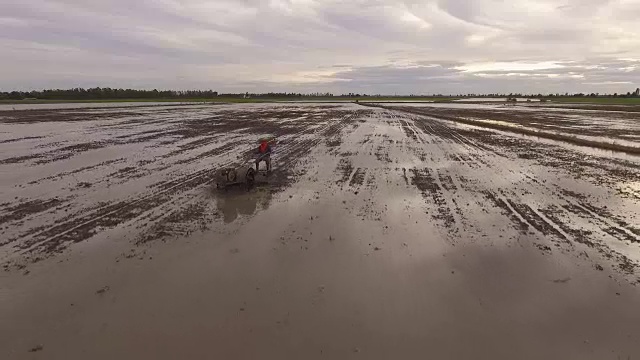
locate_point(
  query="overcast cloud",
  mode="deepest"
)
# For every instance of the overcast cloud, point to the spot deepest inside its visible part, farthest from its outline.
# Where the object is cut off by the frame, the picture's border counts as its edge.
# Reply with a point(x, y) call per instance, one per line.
point(376, 46)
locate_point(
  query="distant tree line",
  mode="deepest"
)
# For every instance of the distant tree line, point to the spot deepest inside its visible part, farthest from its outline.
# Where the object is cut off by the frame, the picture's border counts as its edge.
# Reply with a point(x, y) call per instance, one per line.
point(98, 93)
point(106, 94)
point(279, 95)
point(114, 94)
point(635, 93)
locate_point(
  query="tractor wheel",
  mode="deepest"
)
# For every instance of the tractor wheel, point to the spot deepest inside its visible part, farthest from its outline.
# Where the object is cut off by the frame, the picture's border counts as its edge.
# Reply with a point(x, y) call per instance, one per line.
point(231, 176)
point(251, 177)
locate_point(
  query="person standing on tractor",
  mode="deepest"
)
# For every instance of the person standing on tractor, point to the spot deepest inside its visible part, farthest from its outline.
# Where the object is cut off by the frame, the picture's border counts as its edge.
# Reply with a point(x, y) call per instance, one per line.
point(263, 154)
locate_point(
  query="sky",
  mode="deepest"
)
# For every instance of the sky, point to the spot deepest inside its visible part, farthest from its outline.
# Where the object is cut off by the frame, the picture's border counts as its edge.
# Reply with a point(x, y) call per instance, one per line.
point(341, 46)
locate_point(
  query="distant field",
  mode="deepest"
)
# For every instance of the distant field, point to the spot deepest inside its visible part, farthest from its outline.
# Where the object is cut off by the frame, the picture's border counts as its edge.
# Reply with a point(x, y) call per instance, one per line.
point(565, 100)
point(590, 100)
point(241, 100)
point(399, 98)
point(234, 100)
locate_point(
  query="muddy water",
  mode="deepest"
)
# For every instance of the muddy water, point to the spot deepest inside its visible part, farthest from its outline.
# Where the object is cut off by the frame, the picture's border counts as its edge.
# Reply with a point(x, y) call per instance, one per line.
point(599, 124)
point(378, 235)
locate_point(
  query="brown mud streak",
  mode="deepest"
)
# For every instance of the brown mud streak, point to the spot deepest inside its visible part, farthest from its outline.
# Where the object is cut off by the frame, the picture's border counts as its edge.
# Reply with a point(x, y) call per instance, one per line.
point(624, 263)
point(214, 152)
point(404, 176)
point(192, 145)
point(540, 224)
point(333, 133)
point(408, 131)
point(177, 223)
point(54, 155)
point(522, 226)
point(346, 169)
point(608, 215)
point(56, 238)
point(24, 209)
point(447, 182)
point(76, 171)
point(557, 121)
point(555, 214)
point(382, 154)
point(21, 139)
point(587, 211)
point(358, 177)
point(426, 183)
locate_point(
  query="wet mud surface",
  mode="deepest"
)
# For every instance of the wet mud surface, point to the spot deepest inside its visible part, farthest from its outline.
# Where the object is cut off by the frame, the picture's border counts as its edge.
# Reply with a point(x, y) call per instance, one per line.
point(149, 171)
point(370, 216)
point(598, 124)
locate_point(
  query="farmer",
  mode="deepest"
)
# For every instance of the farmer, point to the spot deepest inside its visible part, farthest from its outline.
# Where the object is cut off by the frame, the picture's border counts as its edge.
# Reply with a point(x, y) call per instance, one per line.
point(263, 154)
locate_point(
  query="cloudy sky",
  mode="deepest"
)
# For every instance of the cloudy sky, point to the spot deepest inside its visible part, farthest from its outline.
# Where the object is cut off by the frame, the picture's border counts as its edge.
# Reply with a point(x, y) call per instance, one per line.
point(340, 46)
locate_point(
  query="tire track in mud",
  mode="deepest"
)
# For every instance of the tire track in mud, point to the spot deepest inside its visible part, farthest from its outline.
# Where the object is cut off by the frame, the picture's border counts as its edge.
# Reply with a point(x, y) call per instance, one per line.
point(54, 155)
point(438, 186)
point(28, 208)
point(468, 117)
point(296, 149)
point(571, 206)
point(552, 155)
point(555, 220)
point(455, 136)
point(382, 154)
point(475, 152)
point(56, 238)
point(357, 179)
point(26, 138)
point(433, 192)
point(190, 217)
point(537, 219)
point(431, 131)
point(605, 220)
point(590, 239)
point(551, 219)
point(168, 208)
point(334, 133)
point(345, 169)
point(447, 182)
point(79, 228)
point(408, 130)
point(77, 171)
point(555, 223)
point(84, 225)
point(516, 218)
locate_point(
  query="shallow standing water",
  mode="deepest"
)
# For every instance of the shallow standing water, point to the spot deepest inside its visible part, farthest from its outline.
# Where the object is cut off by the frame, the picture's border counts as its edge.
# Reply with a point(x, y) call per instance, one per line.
point(379, 234)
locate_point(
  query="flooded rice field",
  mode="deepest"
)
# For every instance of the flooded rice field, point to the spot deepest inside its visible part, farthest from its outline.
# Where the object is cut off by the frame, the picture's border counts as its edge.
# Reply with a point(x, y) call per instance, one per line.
point(618, 126)
point(381, 233)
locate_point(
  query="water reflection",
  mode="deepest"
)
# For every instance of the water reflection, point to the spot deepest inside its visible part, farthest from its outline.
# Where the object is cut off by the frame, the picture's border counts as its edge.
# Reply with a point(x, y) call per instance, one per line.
point(236, 201)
